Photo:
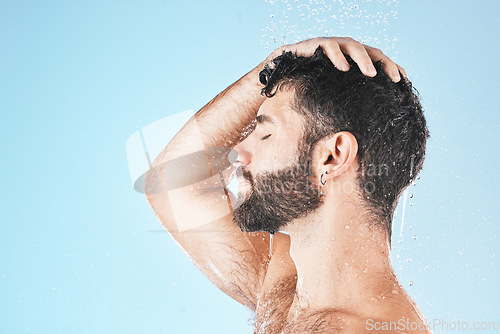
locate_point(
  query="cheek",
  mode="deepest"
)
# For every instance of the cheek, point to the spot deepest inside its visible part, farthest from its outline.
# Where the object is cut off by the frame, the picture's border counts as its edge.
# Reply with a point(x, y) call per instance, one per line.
point(286, 148)
point(276, 154)
point(264, 159)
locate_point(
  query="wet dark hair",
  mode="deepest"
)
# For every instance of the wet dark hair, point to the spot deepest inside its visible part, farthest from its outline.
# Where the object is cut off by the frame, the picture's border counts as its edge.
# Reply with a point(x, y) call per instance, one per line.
point(385, 117)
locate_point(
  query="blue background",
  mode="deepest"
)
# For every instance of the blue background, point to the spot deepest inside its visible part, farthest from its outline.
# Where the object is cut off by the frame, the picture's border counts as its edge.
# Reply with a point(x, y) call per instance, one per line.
point(82, 252)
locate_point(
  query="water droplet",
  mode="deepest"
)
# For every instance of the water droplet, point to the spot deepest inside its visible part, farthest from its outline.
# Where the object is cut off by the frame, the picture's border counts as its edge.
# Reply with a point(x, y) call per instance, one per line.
point(347, 227)
point(411, 195)
point(415, 237)
point(410, 283)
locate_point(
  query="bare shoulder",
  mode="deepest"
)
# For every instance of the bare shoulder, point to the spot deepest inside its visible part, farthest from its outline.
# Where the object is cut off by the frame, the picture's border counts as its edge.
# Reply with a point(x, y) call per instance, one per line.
point(392, 318)
point(337, 321)
point(389, 326)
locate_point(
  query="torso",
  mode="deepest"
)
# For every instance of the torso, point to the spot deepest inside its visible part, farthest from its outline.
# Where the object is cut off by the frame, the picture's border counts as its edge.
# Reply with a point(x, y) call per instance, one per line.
point(273, 314)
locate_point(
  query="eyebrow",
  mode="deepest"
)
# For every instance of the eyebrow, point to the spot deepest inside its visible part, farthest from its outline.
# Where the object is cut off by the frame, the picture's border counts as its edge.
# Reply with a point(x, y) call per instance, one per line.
point(264, 119)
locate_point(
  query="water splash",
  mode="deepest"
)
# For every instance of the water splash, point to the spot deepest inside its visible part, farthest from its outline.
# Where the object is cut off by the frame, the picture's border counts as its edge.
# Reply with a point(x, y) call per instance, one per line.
point(367, 21)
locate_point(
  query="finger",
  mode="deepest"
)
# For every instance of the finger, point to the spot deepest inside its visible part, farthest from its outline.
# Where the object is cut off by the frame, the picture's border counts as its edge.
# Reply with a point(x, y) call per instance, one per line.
point(390, 67)
point(358, 53)
point(334, 53)
point(402, 70)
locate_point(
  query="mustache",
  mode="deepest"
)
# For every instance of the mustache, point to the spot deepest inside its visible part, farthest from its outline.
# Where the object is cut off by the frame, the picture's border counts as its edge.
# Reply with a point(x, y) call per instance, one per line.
point(246, 175)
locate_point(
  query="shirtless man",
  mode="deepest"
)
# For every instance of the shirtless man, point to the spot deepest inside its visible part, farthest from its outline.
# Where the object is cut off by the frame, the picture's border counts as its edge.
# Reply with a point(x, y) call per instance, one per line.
point(323, 140)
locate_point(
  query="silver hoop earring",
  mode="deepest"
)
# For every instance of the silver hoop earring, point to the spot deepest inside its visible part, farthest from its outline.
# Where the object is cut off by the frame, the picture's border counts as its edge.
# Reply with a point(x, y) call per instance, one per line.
point(321, 179)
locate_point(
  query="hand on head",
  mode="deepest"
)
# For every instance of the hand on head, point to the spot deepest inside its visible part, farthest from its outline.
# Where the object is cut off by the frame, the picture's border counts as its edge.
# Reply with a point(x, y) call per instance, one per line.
point(336, 47)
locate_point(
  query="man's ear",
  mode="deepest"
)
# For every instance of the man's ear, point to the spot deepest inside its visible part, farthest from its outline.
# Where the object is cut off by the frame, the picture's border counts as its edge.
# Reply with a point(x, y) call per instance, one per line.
point(336, 154)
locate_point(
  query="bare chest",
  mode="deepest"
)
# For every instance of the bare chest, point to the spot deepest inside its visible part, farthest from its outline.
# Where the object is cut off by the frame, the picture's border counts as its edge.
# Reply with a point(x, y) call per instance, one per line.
point(273, 314)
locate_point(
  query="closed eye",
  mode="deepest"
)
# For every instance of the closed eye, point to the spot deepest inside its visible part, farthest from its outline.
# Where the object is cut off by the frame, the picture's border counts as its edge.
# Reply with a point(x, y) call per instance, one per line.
point(265, 137)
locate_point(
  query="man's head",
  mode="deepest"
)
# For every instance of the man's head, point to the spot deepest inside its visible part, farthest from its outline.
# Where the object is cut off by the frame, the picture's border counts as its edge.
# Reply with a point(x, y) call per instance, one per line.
point(382, 121)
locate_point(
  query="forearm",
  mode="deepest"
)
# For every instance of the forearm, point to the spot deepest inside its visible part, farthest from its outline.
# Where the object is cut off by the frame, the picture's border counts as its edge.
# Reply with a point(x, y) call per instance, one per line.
point(185, 189)
point(222, 121)
point(199, 150)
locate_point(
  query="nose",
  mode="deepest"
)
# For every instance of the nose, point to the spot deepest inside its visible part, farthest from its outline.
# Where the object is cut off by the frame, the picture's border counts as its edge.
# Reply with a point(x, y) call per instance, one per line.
point(242, 154)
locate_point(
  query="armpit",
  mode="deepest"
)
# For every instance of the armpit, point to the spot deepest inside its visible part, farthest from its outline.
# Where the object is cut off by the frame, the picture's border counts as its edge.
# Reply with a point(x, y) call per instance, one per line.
point(274, 305)
point(323, 321)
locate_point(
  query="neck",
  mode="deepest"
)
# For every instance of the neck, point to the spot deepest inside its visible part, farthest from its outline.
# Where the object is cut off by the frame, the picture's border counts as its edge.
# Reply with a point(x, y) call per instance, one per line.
point(342, 260)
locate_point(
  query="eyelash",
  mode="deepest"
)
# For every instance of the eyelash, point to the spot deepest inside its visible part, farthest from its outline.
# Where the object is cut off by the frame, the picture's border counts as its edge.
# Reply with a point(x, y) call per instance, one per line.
point(265, 137)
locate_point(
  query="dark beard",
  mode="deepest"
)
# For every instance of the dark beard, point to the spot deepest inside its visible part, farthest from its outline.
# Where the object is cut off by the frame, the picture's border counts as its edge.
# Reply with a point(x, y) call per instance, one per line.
point(277, 198)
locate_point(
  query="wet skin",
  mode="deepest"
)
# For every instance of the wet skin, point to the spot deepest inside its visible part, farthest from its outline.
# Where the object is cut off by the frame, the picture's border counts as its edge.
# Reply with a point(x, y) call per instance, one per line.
point(322, 277)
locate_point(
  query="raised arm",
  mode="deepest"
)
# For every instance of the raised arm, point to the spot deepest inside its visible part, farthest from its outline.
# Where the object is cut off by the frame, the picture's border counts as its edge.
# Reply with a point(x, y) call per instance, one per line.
point(186, 185)
point(186, 188)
